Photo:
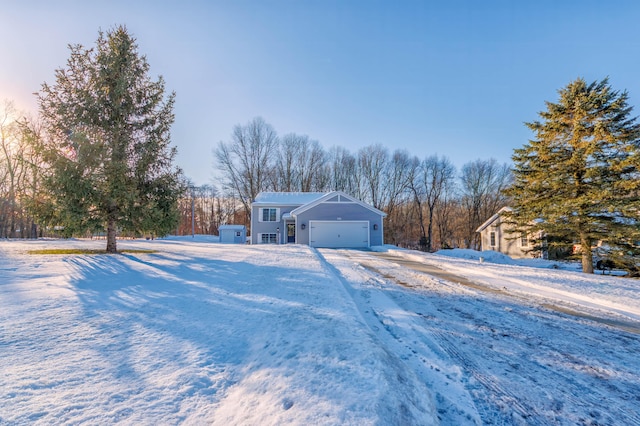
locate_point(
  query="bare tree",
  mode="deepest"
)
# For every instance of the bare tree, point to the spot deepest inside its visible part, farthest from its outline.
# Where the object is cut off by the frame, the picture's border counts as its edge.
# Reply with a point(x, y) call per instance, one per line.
point(9, 169)
point(289, 153)
point(430, 180)
point(373, 162)
point(444, 216)
point(20, 171)
point(247, 161)
point(343, 171)
point(312, 164)
point(483, 182)
point(203, 209)
point(397, 180)
point(301, 164)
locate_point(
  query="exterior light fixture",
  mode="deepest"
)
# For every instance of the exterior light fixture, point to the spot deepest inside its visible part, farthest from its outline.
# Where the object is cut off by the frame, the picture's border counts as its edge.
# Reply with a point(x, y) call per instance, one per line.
point(375, 226)
point(303, 226)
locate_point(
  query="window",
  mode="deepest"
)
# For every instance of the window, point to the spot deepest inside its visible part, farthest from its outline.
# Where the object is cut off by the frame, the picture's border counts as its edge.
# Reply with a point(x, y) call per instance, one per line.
point(269, 215)
point(268, 238)
point(237, 233)
point(492, 236)
point(524, 240)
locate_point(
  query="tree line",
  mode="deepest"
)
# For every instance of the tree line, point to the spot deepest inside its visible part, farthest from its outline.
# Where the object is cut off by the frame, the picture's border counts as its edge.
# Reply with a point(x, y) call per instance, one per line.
point(429, 203)
point(19, 172)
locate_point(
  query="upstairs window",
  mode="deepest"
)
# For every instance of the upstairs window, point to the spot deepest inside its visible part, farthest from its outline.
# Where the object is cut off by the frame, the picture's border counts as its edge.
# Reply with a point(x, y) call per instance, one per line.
point(269, 215)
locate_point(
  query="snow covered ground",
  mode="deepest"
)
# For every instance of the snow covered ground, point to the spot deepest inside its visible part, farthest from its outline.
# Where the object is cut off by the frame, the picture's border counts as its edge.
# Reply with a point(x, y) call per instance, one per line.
point(205, 333)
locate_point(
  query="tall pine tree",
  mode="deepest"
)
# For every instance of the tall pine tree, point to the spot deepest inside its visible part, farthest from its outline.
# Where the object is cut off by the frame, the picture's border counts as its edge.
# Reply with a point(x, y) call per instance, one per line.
point(579, 179)
point(109, 163)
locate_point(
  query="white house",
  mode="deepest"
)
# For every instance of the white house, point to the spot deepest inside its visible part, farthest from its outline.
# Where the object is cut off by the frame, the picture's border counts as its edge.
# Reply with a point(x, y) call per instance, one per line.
point(332, 219)
point(498, 236)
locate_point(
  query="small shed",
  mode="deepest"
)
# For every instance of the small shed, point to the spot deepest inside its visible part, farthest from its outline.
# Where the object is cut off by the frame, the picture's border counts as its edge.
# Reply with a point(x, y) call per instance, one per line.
point(232, 234)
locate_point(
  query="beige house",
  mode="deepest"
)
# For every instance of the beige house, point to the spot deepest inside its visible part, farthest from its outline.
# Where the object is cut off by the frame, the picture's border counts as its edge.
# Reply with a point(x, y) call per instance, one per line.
point(498, 236)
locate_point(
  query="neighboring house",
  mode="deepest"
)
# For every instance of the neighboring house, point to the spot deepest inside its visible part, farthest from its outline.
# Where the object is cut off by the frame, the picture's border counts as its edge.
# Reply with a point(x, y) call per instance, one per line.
point(318, 219)
point(232, 234)
point(498, 236)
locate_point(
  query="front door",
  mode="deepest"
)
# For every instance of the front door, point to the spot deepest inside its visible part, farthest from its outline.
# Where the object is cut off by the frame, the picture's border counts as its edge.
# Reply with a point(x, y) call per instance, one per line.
point(291, 232)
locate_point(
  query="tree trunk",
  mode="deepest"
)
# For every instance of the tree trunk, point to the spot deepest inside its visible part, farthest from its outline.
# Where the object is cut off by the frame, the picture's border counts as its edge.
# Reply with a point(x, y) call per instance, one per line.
point(587, 254)
point(111, 236)
point(430, 231)
point(423, 237)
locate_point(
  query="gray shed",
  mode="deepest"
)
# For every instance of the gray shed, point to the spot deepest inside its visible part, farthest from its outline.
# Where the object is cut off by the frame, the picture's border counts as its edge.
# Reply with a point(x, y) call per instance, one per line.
point(233, 234)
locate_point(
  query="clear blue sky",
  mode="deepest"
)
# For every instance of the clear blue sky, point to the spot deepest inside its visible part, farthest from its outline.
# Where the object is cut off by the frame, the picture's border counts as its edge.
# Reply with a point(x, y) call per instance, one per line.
point(454, 78)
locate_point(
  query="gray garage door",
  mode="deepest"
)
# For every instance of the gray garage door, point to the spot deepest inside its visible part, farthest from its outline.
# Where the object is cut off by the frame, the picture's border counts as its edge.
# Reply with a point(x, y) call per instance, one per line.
point(342, 233)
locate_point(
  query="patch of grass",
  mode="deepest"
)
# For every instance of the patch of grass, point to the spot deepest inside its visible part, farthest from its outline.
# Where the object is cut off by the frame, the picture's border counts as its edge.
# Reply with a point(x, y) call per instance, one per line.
point(86, 251)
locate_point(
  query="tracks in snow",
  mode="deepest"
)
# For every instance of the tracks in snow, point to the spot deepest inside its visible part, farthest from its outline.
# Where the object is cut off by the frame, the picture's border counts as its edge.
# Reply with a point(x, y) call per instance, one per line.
point(402, 337)
point(521, 364)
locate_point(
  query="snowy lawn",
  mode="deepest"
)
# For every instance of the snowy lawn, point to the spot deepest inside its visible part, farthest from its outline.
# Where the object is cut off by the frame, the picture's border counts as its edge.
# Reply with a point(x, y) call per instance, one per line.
point(543, 279)
point(205, 333)
point(196, 333)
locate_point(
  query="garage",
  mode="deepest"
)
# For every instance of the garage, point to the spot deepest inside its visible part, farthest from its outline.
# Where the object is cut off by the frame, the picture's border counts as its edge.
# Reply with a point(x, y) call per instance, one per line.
point(339, 234)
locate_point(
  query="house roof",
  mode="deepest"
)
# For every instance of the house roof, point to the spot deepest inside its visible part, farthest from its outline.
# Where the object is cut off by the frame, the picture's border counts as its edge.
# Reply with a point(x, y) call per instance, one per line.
point(233, 227)
point(333, 194)
point(493, 218)
point(287, 198)
point(305, 200)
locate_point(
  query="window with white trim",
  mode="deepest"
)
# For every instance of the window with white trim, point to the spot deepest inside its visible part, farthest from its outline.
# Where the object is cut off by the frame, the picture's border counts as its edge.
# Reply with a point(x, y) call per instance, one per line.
point(268, 239)
point(269, 215)
point(524, 240)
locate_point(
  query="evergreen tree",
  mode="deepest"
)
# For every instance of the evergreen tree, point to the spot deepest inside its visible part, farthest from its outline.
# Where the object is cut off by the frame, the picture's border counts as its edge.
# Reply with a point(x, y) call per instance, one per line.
point(579, 179)
point(109, 163)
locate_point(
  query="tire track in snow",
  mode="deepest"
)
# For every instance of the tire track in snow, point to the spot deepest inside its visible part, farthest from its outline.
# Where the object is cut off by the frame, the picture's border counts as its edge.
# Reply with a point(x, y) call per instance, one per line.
point(575, 390)
point(527, 413)
point(412, 355)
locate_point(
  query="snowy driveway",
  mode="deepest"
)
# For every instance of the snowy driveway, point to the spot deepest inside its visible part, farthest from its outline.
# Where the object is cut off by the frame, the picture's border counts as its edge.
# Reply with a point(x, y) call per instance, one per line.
point(519, 362)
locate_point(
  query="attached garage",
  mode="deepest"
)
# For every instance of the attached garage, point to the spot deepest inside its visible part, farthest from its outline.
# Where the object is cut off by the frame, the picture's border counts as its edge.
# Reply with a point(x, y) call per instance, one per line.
point(339, 233)
point(333, 220)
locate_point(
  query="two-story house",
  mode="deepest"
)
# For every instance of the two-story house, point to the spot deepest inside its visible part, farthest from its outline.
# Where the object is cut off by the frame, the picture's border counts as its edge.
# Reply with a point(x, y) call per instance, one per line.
point(318, 219)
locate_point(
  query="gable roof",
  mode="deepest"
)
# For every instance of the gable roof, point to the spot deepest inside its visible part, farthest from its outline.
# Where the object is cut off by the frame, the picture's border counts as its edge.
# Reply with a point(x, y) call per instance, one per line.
point(335, 194)
point(233, 227)
point(306, 200)
point(286, 198)
point(493, 218)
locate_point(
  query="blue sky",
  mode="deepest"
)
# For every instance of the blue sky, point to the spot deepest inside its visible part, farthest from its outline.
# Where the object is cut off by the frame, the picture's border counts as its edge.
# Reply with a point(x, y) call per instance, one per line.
point(453, 78)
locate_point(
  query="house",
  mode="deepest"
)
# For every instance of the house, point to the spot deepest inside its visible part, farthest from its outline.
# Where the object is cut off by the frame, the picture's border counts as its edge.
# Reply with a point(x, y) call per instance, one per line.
point(498, 236)
point(319, 219)
point(232, 234)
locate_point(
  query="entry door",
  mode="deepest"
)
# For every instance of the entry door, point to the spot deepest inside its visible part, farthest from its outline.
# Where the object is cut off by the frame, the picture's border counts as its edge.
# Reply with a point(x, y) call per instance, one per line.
point(291, 232)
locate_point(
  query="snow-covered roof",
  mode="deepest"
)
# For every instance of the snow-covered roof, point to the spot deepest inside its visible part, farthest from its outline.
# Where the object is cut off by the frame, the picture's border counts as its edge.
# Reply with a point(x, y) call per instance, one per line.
point(493, 218)
point(330, 195)
point(287, 198)
point(233, 227)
